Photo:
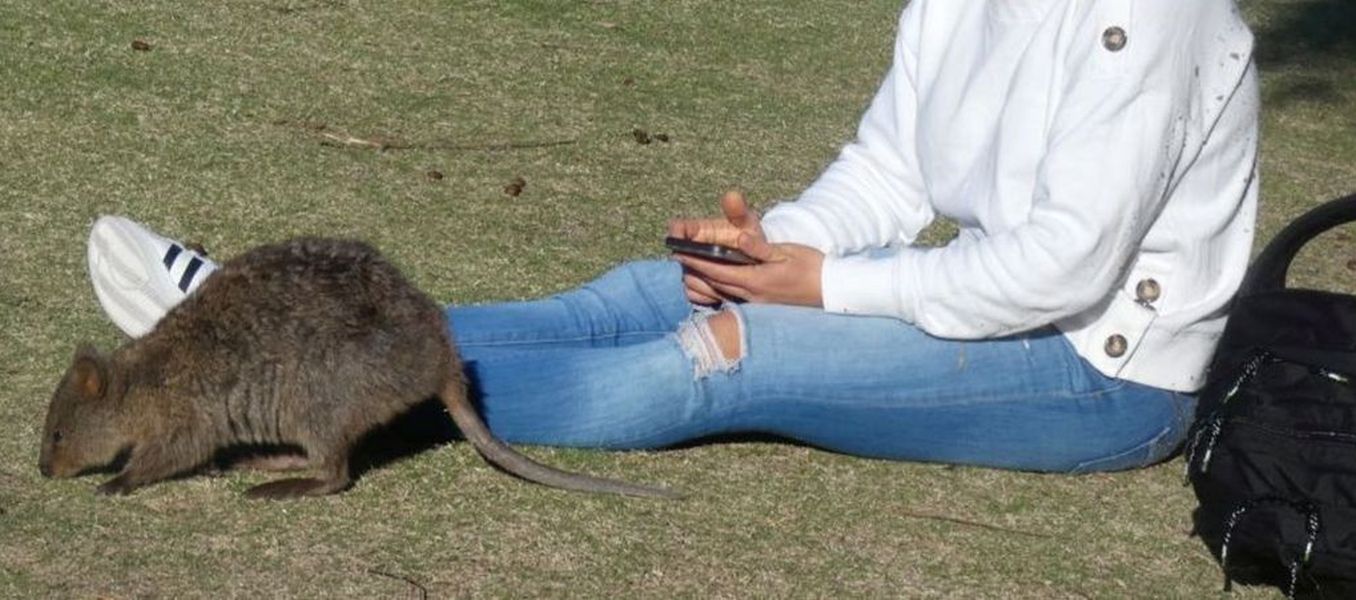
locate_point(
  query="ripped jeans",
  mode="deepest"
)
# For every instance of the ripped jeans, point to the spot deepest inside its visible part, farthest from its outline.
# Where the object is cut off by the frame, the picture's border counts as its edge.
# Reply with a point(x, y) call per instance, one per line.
point(612, 364)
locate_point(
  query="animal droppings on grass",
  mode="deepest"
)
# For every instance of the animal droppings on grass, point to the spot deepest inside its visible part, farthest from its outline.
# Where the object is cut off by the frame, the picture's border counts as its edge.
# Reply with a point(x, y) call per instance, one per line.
point(141, 45)
point(434, 175)
point(515, 187)
point(644, 137)
point(629, 81)
point(1351, 264)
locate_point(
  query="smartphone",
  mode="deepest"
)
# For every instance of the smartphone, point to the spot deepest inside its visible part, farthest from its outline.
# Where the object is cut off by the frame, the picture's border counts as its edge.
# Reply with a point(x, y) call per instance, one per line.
point(709, 251)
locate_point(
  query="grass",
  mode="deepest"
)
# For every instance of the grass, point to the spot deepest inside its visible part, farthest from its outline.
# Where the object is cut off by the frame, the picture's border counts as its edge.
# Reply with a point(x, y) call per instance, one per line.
point(218, 133)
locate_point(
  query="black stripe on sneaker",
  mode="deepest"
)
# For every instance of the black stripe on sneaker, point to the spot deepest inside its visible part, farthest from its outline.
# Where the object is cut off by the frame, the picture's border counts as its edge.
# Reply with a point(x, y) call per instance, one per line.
point(172, 254)
point(193, 266)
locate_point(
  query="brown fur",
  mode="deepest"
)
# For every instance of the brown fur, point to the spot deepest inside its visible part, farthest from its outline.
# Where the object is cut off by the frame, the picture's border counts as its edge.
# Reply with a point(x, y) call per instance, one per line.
point(310, 344)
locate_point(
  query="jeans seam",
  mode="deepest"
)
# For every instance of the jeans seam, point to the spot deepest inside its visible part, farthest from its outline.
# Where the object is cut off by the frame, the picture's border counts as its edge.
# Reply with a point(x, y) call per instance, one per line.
point(1148, 444)
point(553, 340)
point(1117, 386)
point(791, 395)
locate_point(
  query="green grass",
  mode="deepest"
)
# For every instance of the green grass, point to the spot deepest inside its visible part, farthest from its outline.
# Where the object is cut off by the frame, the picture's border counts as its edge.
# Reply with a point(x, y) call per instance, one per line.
point(218, 134)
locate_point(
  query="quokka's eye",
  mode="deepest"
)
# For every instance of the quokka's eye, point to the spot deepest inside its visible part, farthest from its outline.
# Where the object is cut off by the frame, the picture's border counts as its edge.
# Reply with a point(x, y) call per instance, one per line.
point(56, 437)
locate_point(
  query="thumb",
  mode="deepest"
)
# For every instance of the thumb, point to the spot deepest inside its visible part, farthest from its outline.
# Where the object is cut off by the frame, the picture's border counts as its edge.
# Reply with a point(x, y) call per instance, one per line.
point(737, 211)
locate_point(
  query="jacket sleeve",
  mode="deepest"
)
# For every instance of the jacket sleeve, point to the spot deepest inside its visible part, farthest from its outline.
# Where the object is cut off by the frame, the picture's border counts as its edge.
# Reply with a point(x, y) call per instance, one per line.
point(1115, 143)
point(872, 193)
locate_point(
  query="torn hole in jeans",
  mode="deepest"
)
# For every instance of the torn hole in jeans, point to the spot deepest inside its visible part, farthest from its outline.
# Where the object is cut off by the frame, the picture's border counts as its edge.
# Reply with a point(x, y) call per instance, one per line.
point(698, 342)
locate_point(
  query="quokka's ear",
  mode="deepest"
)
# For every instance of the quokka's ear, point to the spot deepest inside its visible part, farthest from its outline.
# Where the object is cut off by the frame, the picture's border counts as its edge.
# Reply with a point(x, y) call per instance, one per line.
point(89, 372)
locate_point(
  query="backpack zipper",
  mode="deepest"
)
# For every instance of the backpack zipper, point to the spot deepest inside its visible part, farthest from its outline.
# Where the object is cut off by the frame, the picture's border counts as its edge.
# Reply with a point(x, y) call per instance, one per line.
point(1249, 371)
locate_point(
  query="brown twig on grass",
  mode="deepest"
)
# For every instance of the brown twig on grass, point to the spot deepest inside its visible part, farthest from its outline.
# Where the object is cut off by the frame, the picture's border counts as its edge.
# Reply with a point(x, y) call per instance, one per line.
point(501, 146)
point(423, 591)
point(343, 140)
point(348, 140)
point(339, 139)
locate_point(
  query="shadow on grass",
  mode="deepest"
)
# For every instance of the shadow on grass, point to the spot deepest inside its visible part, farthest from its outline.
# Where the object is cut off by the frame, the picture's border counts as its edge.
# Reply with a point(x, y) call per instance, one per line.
point(1309, 35)
point(1308, 31)
point(423, 428)
point(428, 426)
point(1302, 88)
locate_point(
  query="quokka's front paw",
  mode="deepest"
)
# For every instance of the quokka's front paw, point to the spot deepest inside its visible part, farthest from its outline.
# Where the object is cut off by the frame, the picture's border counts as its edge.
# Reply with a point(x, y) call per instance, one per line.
point(117, 486)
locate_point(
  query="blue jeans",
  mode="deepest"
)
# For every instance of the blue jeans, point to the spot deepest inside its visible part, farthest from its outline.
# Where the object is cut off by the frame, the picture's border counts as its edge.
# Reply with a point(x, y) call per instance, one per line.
point(601, 366)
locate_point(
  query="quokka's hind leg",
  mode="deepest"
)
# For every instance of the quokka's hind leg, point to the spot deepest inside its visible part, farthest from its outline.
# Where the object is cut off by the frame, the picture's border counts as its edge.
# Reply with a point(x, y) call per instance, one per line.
point(331, 477)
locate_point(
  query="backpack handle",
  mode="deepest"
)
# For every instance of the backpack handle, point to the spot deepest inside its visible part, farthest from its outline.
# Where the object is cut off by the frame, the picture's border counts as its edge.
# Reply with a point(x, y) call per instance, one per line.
point(1269, 270)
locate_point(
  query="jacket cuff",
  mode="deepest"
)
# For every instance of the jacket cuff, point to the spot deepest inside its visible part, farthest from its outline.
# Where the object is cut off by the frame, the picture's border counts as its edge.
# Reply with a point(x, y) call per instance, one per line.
point(865, 284)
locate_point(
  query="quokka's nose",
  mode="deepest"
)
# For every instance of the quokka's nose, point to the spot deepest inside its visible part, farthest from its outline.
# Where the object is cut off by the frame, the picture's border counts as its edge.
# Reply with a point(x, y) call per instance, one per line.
point(45, 469)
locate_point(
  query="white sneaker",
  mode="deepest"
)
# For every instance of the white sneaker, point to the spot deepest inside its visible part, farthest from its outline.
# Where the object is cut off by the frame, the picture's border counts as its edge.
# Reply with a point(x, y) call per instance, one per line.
point(138, 275)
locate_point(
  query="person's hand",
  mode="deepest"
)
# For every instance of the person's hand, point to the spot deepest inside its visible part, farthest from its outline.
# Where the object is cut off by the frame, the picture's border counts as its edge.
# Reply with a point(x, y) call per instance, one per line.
point(788, 273)
point(737, 220)
point(725, 231)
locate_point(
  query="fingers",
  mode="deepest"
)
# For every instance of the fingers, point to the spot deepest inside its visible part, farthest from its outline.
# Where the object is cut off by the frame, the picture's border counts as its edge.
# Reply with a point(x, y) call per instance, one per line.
point(683, 228)
point(733, 291)
point(704, 289)
point(714, 273)
point(710, 231)
point(703, 299)
point(737, 218)
point(700, 292)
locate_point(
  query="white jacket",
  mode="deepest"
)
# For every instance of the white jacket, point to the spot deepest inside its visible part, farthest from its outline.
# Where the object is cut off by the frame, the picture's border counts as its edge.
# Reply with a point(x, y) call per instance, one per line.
point(1099, 157)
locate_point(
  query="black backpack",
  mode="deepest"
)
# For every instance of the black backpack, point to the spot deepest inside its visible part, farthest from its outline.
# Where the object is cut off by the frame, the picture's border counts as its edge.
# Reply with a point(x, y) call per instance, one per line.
point(1272, 452)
